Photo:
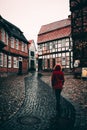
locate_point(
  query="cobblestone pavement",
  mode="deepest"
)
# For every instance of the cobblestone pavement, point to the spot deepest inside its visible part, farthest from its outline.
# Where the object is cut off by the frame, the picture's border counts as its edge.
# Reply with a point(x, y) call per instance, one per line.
point(38, 111)
point(12, 94)
point(75, 90)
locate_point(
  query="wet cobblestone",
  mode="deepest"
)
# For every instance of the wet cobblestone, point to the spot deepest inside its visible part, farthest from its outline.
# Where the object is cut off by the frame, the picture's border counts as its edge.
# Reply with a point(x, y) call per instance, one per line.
point(12, 94)
point(39, 104)
point(75, 90)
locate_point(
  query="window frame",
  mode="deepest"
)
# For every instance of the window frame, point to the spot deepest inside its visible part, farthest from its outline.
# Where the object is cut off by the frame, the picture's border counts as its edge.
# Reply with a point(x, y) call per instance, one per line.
point(15, 62)
point(9, 61)
point(1, 59)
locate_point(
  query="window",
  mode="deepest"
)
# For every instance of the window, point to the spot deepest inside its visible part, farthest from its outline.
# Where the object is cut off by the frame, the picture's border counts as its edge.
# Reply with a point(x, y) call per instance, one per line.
point(63, 48)
point(48, 56)
point(40, 47)
point(63, 43)
point(17, 43)
point(56, 50)
point(26, 48)
point(59, 55)
point(53, 55)
point(6, 39)
point(67, 48)
point(32, 53)
point(72, 53)
point(67, 53)
point(59, 41)
point(15, 62)
point(40, 52)
point(63, 61)
point(53, 45)
point(56, 55)
point(23, 46)
point(50, 45)
point(63, 54)
point(47, 46)
point(12, 42)
point(67, 44)
point(59, 46)
point(9, 61)
point(3, 35)
point(5, 60)
point(1, 59)
point(67, 39)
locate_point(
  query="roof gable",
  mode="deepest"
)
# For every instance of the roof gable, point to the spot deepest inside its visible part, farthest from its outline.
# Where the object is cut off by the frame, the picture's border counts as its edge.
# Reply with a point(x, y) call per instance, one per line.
point(32, 44)
point(55, 25)
point(12, 29)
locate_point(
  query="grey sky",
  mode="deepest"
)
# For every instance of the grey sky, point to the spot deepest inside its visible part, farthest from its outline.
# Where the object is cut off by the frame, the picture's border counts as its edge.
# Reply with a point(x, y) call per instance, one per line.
point(30, 15)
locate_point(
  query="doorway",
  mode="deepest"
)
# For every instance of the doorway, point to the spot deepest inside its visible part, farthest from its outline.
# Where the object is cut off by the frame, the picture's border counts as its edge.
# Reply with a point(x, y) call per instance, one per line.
point(20, 68)
point(48, 63)
point(53, 63)
point(40, 64)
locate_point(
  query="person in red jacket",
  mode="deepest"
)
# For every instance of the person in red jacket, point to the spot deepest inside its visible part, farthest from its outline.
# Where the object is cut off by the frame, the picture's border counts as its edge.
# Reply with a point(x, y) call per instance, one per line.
point(57, 81)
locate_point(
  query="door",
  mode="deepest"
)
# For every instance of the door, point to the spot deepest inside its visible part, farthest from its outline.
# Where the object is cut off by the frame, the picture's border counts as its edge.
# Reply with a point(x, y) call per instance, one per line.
point(40, 64)
point(53, 63)
point(48, 63)
point(20, 67)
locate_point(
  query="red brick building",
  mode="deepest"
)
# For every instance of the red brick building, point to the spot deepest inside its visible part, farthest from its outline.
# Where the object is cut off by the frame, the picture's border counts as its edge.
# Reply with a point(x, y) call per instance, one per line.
point(78, 10)
point(55, 45)
point(13, 49)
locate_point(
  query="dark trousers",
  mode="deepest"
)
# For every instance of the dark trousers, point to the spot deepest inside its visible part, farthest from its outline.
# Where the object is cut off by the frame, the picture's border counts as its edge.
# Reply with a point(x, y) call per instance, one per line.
point(57, 94)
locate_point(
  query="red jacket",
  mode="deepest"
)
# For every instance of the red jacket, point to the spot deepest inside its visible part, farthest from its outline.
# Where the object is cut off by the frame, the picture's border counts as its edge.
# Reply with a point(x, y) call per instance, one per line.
point(57, 79)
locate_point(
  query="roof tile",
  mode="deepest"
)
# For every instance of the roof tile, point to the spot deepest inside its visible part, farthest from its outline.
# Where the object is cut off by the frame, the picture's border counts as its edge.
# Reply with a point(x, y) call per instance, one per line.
point(57, 34)
point(54, 31)
point(55, 25)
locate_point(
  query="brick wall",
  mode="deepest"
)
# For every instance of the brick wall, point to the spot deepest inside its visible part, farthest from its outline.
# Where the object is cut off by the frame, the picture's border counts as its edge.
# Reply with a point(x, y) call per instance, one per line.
point(13, 52)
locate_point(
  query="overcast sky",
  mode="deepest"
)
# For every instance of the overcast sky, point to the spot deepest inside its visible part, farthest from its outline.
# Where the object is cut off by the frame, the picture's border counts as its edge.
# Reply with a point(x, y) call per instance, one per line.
point(30, 15)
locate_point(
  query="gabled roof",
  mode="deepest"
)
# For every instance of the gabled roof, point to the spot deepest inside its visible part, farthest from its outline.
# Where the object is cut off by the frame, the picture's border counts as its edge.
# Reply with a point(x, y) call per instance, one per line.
point(31, 42)
point(55, 30)
point(12, 29)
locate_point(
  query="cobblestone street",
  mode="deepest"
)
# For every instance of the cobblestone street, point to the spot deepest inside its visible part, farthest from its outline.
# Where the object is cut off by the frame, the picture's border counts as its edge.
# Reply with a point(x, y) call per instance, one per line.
point(12, 94)
point(75, 90)
point(38, 111)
